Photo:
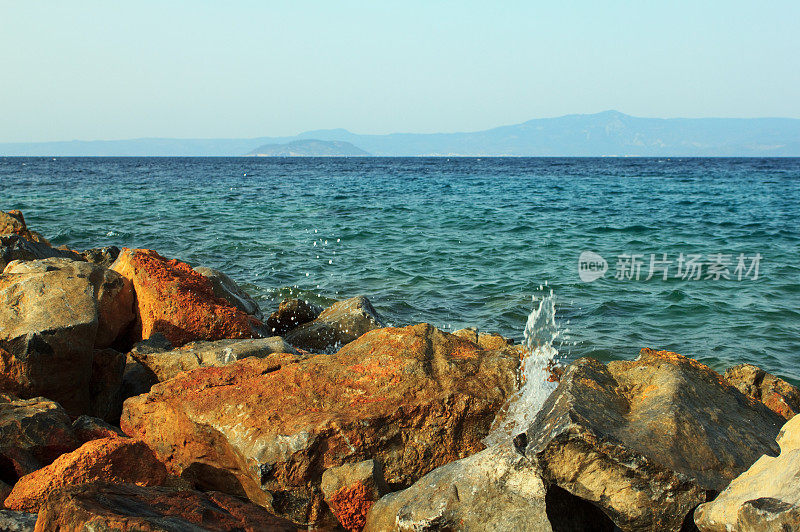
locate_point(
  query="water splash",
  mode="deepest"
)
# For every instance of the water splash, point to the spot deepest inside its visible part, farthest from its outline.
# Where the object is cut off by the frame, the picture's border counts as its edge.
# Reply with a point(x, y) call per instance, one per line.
point(541, 336)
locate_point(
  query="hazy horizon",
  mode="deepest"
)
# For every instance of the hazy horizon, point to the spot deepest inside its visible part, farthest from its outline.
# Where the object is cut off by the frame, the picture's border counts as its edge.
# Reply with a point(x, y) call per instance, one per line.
point(245, 69)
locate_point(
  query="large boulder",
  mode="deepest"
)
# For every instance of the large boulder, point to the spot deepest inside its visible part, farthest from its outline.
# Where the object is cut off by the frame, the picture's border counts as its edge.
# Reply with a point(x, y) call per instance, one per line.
point(412, 398)
point(166, 365)
point(13, 223)
point(104, 507)
point(765, 497)
point(226, 288)
point(650, 439)
point(115, 460)
point(351, 489)
point(16, 247)
point(495, 489)
point(779, 396)
point(178, 302)
point(291, 314)
point(33, 433)
point(53, 314)
point(337, 325)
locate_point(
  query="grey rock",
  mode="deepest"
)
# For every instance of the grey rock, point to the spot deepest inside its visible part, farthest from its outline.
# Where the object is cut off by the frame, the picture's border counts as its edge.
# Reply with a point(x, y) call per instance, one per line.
point(765, 497)
point(291, 314)
point(337, 325)
point(648, 440)
point(16, 247)
point(101, 256)
point(227, 289)
point(11, 521)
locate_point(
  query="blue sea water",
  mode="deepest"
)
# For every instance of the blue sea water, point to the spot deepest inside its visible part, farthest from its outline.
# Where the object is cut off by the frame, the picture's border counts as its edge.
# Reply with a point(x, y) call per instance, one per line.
point(467, 242)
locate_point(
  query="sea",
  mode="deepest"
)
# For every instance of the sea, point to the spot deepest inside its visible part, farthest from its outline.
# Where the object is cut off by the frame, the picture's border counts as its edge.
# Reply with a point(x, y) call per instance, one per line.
point(697, 256)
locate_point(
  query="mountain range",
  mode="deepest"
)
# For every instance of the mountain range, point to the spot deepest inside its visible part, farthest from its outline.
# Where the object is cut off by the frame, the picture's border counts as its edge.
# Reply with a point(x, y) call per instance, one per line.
point(609, 133)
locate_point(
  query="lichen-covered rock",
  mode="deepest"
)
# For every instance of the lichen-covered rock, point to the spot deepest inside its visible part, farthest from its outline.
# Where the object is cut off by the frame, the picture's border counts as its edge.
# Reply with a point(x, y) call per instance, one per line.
point(104, 507)
point(108, 367)
point(53, 314)
point(178, 302)
point(115, 460)
point(776, 393)
point(13, 223)
point(351, 489)
point(337, 325)
point(101, 256)
point(765, 497)
point(11, 521)
point(166, 365)
point(412, 398)
point(87, 428)
point(291, 314)
point(495, 489)
point(226, 288)
point(648, 440)
point(16, 247)
point(33, 433)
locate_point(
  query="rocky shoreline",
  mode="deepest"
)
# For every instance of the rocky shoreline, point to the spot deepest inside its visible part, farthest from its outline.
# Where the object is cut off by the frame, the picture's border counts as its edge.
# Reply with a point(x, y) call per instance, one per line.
point(139, 393)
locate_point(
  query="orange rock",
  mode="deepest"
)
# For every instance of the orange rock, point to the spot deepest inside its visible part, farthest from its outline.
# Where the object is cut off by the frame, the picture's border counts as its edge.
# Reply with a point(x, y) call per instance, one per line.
point(412, 398)
point(350, 506)
point(101, 506)
point(777, 394)
point(178, 302)
point(115, 460)
point(13, 223)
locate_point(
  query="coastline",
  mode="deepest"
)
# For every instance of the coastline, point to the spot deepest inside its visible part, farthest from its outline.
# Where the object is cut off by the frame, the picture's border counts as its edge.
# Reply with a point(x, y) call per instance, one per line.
point(146, 379)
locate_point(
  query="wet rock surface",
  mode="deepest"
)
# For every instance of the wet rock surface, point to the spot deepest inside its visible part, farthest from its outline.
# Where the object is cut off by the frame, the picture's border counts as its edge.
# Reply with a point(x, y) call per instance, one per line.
point(765, 497)
point(53, 314)
point(412, 398)
point(650, 439)
point(166, 365)
point(174, 300)
point(291, 314)
point(101, 256)
point(226, 288)
point(114, 507)
point(336, 326)
point(115, 460)
point(779, 396)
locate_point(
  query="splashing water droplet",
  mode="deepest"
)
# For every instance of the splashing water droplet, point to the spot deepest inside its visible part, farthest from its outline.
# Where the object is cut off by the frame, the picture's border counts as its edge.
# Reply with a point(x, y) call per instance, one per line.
point(540, 335)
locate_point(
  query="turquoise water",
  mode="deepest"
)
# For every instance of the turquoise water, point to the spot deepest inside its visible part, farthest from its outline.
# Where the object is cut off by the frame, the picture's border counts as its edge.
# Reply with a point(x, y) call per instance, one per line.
point(463, 242)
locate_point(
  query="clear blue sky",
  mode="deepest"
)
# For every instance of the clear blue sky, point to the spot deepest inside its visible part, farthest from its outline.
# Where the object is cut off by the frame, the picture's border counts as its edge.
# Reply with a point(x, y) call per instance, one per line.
point(110, 70)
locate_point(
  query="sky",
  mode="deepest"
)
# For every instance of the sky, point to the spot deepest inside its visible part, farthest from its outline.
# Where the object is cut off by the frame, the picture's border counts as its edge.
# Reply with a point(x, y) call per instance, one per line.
point(95, 70)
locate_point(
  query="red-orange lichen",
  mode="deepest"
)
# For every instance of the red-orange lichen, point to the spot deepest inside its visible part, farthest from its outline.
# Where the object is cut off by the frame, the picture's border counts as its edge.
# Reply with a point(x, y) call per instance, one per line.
point(178, 302)
point(350, 506)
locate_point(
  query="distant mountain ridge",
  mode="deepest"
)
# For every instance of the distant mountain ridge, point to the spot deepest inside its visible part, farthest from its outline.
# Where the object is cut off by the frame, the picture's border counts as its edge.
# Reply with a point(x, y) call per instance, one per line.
point(309, 148)
point(609, 133)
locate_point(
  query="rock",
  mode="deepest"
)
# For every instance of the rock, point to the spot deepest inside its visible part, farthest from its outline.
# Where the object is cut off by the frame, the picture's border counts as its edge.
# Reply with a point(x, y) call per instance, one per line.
point(226, 288)
point(648, 440)
point(115, 460)
point(291, 314)
point(53, 314)
point(33, 433)
point(5, 489)
point(16, 247)
point(87, 428)
point(178, 302)
point(166, 365)
point(485, 340)
point(108, 367)
point(337, 325)
point(13, 223)
point(11, 521)
point(113, 507)
point(101, 256)
point(351, 489)
point(776, 393)
point(412, 398)
point(495, 489)
point(765, 497)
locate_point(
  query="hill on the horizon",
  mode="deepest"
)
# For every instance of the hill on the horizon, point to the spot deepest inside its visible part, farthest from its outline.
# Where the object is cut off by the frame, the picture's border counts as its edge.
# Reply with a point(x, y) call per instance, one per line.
point(609, 133)
point(309, 148)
